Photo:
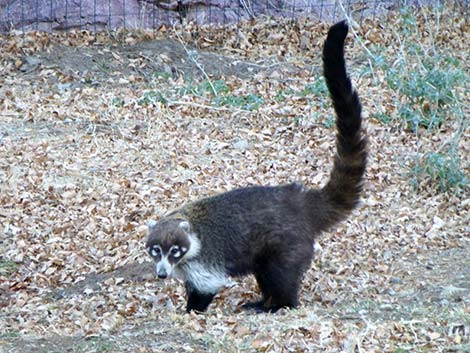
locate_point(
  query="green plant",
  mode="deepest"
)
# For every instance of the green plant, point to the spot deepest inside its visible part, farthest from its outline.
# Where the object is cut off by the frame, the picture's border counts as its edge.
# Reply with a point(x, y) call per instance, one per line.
point(204, 88)
point(282, 95)
point(104, 67)
point(428, 91)
point(429, 83)
point(379, 59)
point(382, 117)
point(322, 119)
point(248, 102)
point(96, 344)
point(7, 267)
point(10, 334)
point(117, 102)
point(152, 98)
point(424, 77)
point(441, 169)
point(317, 88)
point(163, 75)
point(402, 350)
point(219, 86)
point(329, 122)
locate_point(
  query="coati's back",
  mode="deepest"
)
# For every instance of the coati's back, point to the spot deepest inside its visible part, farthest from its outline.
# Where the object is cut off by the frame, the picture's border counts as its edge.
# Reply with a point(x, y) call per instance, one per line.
point(237, 226)
point(268, 231)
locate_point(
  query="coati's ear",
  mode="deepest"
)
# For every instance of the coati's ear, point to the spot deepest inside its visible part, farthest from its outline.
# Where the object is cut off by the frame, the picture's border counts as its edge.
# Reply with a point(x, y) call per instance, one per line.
point(184, 225)
point(151, 224)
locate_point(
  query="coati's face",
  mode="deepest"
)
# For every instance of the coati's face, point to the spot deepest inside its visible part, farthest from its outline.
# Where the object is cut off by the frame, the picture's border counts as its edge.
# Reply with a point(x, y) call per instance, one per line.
point(169, 243)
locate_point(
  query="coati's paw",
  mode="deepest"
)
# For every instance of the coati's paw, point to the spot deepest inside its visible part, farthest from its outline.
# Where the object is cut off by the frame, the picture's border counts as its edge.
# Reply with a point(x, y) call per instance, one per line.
point(275, 308)
point(261, 307)
point(257, 306)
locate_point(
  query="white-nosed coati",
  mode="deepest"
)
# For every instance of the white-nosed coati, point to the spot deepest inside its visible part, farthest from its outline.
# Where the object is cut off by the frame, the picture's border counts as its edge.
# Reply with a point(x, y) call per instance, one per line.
point(263, 230)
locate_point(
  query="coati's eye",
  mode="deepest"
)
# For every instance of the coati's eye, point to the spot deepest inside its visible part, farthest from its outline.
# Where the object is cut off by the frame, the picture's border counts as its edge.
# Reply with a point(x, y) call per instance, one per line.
point(175, 251)
point(155, 250)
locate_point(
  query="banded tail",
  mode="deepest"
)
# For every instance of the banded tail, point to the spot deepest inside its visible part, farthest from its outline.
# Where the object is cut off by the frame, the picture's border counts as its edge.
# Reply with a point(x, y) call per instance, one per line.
point(341, 194)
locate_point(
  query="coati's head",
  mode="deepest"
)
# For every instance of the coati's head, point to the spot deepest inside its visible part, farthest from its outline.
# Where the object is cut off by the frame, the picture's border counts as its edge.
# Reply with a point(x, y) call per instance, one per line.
point(170, 243)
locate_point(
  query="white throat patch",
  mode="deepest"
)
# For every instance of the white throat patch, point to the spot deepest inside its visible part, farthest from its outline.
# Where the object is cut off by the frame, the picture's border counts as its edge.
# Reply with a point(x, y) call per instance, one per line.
point(203, 278)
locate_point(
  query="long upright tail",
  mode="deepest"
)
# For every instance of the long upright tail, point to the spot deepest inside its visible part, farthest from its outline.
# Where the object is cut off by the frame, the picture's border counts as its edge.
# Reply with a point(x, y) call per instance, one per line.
point(341, 194)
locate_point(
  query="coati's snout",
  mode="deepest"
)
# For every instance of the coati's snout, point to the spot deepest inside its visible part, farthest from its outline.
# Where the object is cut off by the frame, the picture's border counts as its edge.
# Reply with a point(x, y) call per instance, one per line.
point(163, 269)
point(169, 244)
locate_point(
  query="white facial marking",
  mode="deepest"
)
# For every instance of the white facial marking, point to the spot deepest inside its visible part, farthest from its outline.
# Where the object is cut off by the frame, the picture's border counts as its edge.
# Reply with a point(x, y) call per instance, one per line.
point(151, 223)
point(185, 226)
point(194, 246)
point(155, 250)
point(175, 251)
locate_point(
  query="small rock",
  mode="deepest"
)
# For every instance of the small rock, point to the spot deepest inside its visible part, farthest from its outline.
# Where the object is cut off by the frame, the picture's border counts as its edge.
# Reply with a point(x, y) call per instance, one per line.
point(241, 145)
point(438, 222)
point(29, 64)
point(388, 255)
point(63, 86)
point(275, 75)
point(304, 42)
point(452, 292)
point(387, 307)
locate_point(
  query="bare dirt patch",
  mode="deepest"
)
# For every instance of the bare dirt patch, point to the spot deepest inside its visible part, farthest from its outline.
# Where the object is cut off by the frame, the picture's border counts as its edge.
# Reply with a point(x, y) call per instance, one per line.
point(142, 61)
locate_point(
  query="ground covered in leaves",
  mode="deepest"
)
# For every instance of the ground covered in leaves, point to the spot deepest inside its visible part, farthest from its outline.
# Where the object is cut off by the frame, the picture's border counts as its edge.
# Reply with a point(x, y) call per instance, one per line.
point(99, 133)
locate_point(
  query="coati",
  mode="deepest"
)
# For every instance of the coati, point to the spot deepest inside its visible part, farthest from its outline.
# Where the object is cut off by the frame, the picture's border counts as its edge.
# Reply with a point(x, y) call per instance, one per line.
point(267, 231)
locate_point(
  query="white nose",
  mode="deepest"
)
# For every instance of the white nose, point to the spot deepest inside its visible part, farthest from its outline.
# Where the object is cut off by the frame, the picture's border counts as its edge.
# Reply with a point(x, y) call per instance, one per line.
point(163, 268)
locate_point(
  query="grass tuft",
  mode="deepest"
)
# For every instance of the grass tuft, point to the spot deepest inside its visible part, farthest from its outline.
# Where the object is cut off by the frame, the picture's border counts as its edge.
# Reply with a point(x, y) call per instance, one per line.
point(439, 169)
point(7, 267)
point(430, 84)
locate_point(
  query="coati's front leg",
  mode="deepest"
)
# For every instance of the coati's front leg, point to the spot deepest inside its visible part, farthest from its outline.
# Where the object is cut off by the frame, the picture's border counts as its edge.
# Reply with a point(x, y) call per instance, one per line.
point(197, 301)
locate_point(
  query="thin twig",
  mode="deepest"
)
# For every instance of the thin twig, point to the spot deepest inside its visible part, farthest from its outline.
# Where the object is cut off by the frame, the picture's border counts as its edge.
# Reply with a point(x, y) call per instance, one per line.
point(197, 105)
point(358, 39)
point(192, 56)
point(351, 22)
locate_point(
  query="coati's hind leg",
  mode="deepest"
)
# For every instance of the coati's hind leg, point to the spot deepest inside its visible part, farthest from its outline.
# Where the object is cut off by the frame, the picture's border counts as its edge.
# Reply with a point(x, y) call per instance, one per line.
point(279, 278)
point(257, 306)
point(280, 287)
point(259, 272)
point(197, 301)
